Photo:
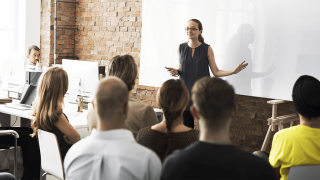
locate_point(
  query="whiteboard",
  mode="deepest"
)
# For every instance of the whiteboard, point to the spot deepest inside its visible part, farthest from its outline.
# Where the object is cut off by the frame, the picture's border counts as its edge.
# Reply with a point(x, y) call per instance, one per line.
point(280, 39)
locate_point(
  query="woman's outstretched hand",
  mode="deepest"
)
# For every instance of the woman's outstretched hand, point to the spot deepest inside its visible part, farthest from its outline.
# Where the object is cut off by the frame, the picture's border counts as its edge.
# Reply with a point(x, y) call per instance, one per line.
point(240, 67)
point(172, 71)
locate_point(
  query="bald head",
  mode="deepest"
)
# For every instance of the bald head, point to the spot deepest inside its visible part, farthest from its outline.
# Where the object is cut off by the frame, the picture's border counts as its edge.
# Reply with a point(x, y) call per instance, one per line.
point(111, 99)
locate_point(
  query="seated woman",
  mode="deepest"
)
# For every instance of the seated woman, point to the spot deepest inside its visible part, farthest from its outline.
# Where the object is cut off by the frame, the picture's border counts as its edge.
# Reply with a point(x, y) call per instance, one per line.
point(171, 133)
point(47, 109)
point(140, 115)
point(299, 145)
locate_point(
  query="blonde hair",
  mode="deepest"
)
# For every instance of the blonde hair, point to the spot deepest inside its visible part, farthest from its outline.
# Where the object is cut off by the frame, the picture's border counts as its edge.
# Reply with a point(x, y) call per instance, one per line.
point(173, 99)
point(47, 107)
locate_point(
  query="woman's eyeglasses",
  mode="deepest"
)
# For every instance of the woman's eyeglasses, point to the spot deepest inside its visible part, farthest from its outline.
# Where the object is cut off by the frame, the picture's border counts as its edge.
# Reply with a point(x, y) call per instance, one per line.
point(192, 29)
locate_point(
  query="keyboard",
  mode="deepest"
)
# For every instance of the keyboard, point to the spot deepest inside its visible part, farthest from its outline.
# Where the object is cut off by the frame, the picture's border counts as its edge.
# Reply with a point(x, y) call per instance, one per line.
point(19, 106)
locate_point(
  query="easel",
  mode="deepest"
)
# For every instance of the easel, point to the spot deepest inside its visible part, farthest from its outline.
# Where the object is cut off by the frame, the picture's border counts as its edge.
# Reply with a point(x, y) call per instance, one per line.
point(276, 120)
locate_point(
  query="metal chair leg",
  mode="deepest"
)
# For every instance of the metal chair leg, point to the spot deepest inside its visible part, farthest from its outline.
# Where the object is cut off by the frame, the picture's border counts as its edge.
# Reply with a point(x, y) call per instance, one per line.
point(15, 172)
point(44, 175)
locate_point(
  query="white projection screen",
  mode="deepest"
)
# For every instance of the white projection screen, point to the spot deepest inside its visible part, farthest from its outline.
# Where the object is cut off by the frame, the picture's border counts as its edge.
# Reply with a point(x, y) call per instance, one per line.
point(280, 39)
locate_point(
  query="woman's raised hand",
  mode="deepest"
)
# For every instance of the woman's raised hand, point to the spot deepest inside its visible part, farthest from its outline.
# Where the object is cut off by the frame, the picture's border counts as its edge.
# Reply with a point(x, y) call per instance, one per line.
point(172, 71)
point(240, 67)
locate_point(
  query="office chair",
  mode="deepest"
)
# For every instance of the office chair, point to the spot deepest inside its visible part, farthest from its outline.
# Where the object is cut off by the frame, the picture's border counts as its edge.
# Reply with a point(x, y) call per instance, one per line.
point(51, 161)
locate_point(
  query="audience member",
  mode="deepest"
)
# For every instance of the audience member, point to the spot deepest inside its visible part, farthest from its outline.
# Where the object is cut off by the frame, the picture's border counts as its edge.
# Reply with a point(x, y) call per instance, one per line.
point(171, 133)
point(47, 109)
point(140, 115)
point(299, 145)
point(33, 56)
point(214, 157)
point(111, 152)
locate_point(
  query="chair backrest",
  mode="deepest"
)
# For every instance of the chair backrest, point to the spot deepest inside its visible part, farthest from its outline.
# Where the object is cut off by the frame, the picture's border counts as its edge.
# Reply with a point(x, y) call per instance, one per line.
point(309, 172)
point(50, 154)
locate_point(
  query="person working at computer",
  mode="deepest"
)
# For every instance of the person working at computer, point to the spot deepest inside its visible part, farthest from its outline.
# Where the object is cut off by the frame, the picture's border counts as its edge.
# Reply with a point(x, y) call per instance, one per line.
point(33, 56)
point(47, 109)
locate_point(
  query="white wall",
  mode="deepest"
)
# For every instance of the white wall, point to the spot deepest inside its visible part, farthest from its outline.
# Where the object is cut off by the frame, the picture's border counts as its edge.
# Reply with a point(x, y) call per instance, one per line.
point(280, 39)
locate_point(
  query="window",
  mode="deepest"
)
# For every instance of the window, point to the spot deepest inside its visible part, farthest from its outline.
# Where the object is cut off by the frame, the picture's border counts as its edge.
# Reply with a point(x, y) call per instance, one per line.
point(18, 18)
point(8, 30)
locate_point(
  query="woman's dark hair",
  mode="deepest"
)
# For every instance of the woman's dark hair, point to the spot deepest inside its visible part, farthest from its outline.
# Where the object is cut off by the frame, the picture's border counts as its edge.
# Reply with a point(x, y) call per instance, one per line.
point(200, 37)
point(173, 98)
point(125, 68)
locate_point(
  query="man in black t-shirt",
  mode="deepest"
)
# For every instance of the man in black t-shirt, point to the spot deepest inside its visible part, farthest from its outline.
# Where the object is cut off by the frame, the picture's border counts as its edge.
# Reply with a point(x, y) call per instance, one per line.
point(214, 157)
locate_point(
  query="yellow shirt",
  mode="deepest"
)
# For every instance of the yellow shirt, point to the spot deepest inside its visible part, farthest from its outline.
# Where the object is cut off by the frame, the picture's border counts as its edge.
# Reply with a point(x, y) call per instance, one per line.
point(298, 145)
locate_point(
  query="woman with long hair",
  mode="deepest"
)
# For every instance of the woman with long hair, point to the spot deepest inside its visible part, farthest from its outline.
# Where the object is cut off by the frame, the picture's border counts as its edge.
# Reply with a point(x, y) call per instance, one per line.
point(47, 109)
point(195, 58)
point(170, 134)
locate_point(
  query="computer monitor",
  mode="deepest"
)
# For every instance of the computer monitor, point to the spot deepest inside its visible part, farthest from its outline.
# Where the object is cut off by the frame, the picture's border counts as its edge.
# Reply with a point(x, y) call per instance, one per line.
point(29, 93)
point(32, 77)
point(86, 71)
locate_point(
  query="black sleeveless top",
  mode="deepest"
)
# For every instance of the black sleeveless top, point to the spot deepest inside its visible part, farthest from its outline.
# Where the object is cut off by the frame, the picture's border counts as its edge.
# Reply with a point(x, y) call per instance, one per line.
point(63, 146)
point(193, 68)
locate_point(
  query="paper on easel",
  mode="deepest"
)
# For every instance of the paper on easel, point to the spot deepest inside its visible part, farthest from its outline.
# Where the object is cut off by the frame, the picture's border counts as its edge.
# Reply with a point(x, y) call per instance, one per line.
point(73, 92)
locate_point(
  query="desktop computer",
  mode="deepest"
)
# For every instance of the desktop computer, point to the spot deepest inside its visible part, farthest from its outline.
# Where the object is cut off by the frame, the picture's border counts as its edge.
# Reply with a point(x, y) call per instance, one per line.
point(32, 77)
point(85, 71)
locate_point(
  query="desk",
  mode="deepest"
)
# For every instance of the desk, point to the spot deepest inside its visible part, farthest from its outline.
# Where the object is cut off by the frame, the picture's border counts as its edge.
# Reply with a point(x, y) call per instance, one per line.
point(77, 120)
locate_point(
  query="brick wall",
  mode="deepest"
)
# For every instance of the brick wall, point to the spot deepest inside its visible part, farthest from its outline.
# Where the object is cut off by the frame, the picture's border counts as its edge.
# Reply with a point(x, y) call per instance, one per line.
point(113, 27)
point(66, 17)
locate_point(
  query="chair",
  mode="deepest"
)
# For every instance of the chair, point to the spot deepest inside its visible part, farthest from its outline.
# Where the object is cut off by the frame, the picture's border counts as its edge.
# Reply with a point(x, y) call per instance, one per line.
point(310, 172)
point(16, 136)
point(51, 161)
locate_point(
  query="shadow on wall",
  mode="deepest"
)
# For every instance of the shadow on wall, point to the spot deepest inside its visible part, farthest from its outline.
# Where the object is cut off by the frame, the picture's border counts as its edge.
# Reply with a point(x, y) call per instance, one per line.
point(237, 50)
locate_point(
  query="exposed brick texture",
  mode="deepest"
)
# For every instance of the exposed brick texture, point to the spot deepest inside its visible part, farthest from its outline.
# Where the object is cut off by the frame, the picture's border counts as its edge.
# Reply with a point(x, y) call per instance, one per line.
point(66, 16)
point(113, 27)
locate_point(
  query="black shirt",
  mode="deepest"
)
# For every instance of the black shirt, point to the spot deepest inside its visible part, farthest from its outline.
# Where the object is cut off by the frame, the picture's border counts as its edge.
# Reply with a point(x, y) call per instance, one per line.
point(63, 145)
point(156, 140)
point(203, 160)
point(193, 67)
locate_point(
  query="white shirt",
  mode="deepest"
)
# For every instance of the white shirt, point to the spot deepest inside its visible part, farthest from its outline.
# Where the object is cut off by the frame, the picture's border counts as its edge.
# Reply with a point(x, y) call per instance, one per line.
point(113, 155)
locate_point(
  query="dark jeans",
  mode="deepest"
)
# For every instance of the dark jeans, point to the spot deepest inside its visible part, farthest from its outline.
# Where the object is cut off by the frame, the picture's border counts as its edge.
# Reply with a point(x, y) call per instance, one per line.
point(30, 150)
point(188, 119)
point(6, 176)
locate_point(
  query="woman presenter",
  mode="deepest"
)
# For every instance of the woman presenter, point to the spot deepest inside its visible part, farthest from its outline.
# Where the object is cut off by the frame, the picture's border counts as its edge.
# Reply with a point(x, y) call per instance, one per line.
point(195, 57)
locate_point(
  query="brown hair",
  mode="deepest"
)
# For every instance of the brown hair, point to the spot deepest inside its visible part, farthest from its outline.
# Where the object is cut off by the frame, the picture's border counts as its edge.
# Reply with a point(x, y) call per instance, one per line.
point(34, 47)
point(47, 107)
point(125, 68)
point(173, 99)
point(200, 37)
point(214, 100)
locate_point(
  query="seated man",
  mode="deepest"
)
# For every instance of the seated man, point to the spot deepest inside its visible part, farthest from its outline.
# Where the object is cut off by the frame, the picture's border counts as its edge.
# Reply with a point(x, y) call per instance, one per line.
point(214, 157)
point(111, 152)
point(299, 145)
point(33, 56)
